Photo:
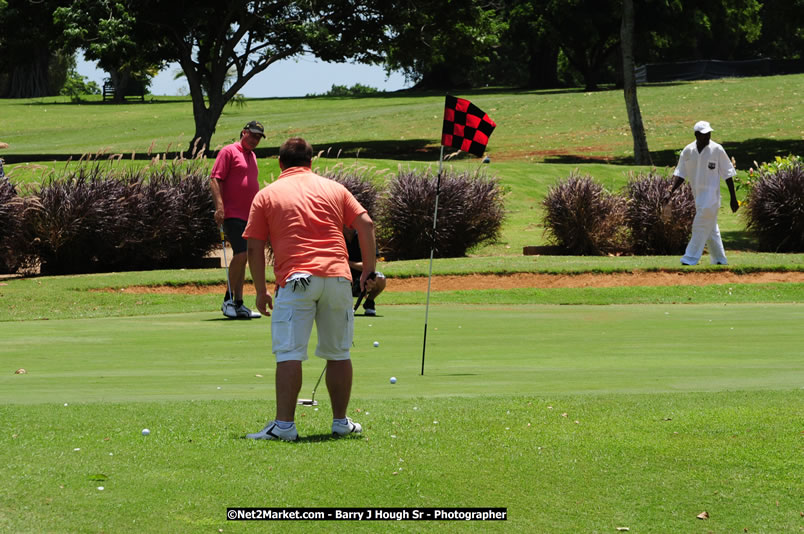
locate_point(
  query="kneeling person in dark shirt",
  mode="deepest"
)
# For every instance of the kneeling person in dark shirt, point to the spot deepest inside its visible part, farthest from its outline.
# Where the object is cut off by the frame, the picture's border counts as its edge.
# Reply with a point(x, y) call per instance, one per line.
point(356, 266)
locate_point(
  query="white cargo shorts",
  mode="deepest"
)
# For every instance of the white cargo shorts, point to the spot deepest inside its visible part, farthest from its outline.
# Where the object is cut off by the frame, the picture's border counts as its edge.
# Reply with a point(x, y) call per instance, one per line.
point(306, 299)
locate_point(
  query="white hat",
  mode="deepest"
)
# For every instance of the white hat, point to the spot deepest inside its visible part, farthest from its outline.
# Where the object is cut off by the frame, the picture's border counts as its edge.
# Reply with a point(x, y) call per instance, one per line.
point(703, 127)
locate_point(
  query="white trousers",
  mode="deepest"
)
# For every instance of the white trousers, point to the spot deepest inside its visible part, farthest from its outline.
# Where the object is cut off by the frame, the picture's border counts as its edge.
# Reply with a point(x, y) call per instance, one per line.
point(705, 232)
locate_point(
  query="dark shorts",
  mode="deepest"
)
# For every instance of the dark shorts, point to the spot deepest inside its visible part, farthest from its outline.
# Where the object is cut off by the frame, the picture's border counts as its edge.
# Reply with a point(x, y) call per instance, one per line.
point(234, 228)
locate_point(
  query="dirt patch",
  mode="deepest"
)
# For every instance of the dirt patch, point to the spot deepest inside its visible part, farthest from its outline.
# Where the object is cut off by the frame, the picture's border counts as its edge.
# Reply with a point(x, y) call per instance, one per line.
point(526, 280)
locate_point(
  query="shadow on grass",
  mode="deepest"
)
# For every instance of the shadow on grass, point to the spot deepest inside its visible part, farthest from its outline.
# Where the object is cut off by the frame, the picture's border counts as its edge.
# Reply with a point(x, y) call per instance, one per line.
point(739, 240)
point(150, 99)
point(427, 150)
point(745, 153)
point(312, 438)
point(407, 150)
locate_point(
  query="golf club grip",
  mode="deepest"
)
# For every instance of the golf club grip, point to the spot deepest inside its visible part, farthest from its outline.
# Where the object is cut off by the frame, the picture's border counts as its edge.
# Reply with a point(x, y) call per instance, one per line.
point(372, 276)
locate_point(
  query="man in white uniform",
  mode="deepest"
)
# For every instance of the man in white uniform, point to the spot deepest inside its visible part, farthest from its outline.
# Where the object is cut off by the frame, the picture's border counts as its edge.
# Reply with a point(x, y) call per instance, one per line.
point(704, 163)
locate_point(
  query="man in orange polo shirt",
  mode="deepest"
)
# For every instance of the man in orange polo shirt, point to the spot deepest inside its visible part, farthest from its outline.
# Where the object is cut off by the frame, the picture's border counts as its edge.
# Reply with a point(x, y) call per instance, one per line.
point(302, 215)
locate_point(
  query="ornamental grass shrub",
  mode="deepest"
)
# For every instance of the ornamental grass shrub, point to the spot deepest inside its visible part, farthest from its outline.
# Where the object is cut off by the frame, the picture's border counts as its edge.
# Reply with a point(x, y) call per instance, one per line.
point(651, 232)
point(95, 218)
point(470, 213)
point(774, 207)
point(362, 182)
point(68, 222)
point(583, 218)
point(10, 226)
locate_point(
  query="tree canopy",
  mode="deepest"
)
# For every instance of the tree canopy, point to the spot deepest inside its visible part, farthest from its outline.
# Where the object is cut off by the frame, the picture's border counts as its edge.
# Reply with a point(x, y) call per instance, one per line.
point(111, 34)
point(31, 63)
point(220, 46)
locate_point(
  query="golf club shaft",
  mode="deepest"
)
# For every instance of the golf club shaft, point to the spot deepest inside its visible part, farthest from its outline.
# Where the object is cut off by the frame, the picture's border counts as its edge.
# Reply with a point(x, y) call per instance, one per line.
point(312, 399)
point(226, 264)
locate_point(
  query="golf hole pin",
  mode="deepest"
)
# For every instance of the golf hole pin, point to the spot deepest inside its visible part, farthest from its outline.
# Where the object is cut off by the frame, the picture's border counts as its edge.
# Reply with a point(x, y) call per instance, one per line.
point(145, 432)
point(393, 380)
point(376, 343)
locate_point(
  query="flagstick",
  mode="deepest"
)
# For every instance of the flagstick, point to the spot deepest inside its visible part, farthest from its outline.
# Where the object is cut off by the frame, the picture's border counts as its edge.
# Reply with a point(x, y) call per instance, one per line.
point(432, 249)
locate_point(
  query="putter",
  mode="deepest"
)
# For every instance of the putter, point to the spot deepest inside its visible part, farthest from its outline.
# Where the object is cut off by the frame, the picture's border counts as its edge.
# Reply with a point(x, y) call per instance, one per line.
point(312, 401)
point(372, 276)
point(226, 263)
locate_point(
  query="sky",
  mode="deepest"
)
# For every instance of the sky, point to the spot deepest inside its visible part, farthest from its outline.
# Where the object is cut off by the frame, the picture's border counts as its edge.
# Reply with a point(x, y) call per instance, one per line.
point(292, 77)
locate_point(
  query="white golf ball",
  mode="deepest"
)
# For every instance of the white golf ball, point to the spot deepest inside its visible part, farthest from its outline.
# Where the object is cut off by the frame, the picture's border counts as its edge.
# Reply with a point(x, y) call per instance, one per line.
point(376, 343)
point(393, 380)
point(145, 432)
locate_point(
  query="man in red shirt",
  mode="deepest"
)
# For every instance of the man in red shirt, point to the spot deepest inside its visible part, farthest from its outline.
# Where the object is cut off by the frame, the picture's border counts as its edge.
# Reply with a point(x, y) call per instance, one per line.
point(234, 183)
point(302, 215)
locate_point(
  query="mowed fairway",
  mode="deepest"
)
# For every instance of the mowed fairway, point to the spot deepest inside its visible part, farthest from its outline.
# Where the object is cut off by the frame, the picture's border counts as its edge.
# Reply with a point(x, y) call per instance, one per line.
point(575, 418)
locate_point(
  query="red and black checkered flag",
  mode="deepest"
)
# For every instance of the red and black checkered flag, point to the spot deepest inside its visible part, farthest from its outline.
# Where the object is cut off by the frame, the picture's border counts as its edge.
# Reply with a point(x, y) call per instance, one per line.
point(466, 126)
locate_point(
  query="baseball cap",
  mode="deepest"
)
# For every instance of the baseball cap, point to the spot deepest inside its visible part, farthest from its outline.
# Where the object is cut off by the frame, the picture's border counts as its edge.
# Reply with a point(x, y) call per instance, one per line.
point(703, 127)
point(255, 127)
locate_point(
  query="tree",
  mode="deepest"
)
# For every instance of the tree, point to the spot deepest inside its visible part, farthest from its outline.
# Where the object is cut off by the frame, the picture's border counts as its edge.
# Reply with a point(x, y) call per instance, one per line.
point(441, 44)
point(528, 54)
point(110, 34)
point(672, 30)
point(29, 49)
point(208, 38)
point(641, 152)
point(782, 30)
point(547, 40)
point(587, 32)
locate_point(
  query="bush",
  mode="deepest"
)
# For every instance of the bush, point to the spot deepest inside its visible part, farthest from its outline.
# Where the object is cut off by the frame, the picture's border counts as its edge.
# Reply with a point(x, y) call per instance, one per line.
point(650, 232)
point(754, 174)
point(470, 212)
point(774, 207)
point(357, 89)
point(361, 182)
point(75, 86)
point(583, 218)
point(193, 231)
point(93, 219)
point(66, 219)
point(171, 224)
point(10, 226)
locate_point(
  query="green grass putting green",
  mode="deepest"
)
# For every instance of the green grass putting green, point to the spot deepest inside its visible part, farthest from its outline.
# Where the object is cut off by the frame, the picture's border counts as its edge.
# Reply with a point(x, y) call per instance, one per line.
point(472, 350)
point(580, 418)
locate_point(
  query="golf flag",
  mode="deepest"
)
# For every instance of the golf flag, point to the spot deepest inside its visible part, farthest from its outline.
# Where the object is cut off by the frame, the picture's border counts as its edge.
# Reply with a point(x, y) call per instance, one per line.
point(466, 126)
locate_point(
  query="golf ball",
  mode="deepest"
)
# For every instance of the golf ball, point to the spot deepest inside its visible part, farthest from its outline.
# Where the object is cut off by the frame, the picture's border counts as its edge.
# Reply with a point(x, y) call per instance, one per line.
point(393, 380)
point(145, 432)
point(376, 343)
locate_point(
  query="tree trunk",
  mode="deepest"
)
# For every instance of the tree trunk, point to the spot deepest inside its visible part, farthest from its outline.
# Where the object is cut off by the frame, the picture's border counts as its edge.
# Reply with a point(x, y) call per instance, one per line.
point(120, 79)
point(543, 66)
point(30, 79)
point(206, 118)
point(641, 152)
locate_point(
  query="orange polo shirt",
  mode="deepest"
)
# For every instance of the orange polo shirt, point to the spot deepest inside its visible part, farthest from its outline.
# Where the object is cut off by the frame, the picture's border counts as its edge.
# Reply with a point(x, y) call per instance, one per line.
point(302, 214)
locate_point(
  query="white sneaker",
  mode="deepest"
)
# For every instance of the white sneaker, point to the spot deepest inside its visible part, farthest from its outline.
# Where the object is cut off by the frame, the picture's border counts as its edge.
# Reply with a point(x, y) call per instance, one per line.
point(272, 431)
point(229, 309)
point(349, 428)
point(241, 312)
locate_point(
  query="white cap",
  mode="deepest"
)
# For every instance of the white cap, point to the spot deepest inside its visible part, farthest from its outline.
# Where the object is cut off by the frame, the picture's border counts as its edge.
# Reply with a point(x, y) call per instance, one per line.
point(703, 127)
